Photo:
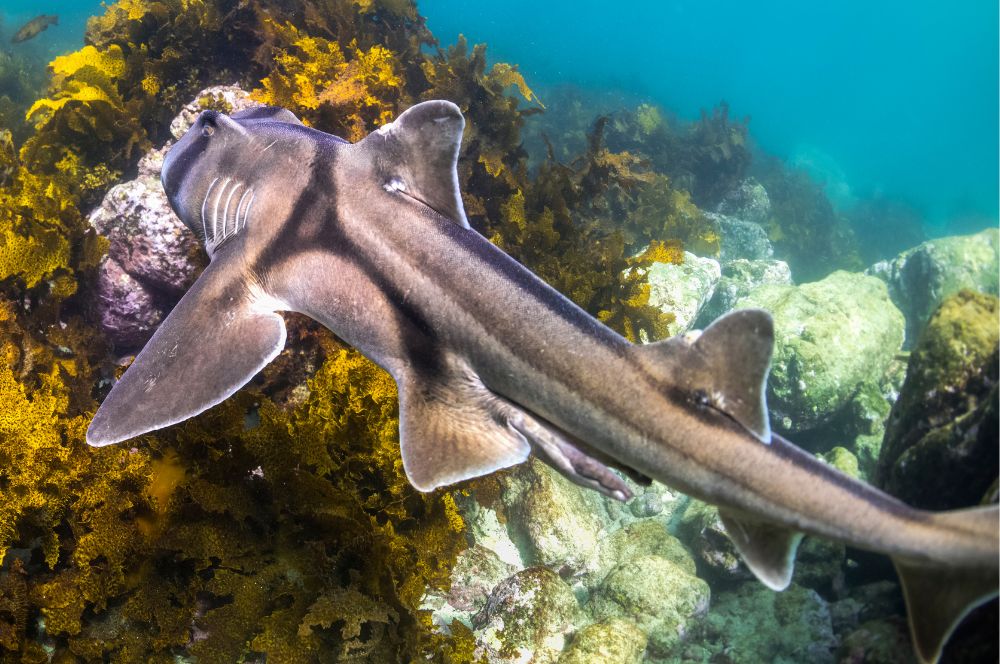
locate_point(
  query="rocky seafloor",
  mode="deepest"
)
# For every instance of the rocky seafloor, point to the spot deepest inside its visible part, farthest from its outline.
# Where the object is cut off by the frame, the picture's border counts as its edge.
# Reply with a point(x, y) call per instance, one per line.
point(889, 374)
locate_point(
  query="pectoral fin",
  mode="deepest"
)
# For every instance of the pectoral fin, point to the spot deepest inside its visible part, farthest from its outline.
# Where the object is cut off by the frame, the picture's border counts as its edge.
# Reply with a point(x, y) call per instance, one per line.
point(767, 549)
point(452, 428)
point(211, 344)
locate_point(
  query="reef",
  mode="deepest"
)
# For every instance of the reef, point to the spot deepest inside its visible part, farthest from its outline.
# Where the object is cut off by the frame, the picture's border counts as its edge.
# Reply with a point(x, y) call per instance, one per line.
point(279, 526)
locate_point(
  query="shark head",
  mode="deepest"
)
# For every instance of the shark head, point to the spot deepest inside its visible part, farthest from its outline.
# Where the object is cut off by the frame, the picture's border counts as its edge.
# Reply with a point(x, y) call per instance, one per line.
point(224, 167)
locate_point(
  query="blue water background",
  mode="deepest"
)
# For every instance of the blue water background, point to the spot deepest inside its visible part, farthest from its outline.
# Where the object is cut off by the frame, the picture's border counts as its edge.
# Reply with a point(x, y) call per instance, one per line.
point(893, 98)
point(896, 97)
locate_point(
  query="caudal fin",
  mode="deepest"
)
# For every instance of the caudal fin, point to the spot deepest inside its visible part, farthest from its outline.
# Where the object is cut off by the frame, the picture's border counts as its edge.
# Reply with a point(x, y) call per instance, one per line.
point(938, 597)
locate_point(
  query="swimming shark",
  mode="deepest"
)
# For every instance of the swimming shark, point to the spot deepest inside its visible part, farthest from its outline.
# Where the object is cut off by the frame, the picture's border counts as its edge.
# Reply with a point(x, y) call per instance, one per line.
point(371, 240)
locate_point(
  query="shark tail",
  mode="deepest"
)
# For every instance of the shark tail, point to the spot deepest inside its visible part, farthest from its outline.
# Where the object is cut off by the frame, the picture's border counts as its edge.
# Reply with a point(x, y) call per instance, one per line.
point(939, 597)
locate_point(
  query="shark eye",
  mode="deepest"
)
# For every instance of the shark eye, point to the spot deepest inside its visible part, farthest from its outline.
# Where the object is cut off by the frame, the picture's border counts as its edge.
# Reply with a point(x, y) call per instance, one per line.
point(207, 130)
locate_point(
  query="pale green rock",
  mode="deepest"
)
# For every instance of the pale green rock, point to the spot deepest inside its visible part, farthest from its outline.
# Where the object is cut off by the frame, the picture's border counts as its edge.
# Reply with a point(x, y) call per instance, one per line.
point(527, 618)
point(614, 641)
point(921, 278)
point(643, 538)
point(843, 460)
point(554, 522)
point(661, 597)
point(754, 624)
point(831, 336)
point(682, 289)
point(740, 278)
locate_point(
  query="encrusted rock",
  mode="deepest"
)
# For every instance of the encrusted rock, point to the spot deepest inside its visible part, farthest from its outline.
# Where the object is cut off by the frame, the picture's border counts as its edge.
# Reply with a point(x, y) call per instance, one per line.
point(644, 538)
point(128, 312)
point(228, 99)
point(554, 522)
point(921, 278)
point(741, 277)
point(614, 641)
point(748, 201)
point(660, 596)
point(831, 336)
point(940, 448)
point(476, 573)
point(741, 239)
point(149, 244)
point(683, 289)
point(701, 529)
point(756, 624)
point(527, 618)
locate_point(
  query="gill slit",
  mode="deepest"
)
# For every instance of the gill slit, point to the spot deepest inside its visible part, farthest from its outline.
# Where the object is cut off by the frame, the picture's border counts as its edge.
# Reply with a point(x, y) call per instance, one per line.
point(215, 210)
point(204, 226)
point(225, 212)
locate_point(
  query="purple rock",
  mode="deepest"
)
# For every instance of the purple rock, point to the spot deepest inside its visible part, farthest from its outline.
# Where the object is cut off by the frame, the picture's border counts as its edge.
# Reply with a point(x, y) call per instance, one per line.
point(128, 311)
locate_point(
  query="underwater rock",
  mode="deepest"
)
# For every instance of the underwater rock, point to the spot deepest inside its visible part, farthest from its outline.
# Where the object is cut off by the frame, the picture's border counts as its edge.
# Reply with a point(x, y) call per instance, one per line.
point(885, 641)
point(756, 624)
point(149, 243)
point(227, 99)
point(127, 311)
point(660, 596)
point(921, 278)
point(527, 618)
point(554, 522)
point(739, 278)
point(940, 448)
point(682, 289)
point(644, 538)
point(830, 337)
point(747, 201)
point(871, 601)
point(739, 238)
point(476, 573)
point(147, 239)
point(614, 641)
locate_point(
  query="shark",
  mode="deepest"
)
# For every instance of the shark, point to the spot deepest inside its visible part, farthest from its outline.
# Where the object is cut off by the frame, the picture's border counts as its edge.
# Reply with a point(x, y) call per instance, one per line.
point(371, 240)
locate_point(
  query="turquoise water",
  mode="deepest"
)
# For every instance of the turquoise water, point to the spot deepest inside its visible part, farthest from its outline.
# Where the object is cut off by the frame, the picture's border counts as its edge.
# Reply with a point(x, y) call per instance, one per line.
point(893, 99)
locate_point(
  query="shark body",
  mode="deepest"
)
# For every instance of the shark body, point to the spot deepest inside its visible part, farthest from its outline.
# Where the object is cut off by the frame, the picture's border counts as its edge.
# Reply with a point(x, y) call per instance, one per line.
point(371, 240)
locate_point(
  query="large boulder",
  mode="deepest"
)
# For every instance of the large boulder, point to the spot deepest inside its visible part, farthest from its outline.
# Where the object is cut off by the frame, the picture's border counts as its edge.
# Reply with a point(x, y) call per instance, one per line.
point(741, 277)
point(614, 641)
point(660, 596)
point(756, 624)
point(683, 289)
point(940, 448)
point(831, 336)
point(527, 618)
point(921, 278)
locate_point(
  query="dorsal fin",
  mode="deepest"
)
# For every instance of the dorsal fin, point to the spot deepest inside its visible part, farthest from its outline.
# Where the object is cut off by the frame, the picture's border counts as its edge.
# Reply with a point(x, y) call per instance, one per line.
point(269, 113)
point(725, 368)
point(419, 156)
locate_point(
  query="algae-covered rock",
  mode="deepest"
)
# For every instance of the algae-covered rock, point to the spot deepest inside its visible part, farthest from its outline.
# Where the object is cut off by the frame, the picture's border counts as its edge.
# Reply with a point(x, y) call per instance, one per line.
point(830, 337)
point(614, 641)
point(756, 624)
point(128, 312)
point(661, 597)
point(554, 522)
point(740, 277)
point(643, 538)
point(527, 618)
point(885, 641)
point(921, 278)
point(740, 239)
point(940, 448)
point(748, 201)
point(682, 289)
point(476, 573)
